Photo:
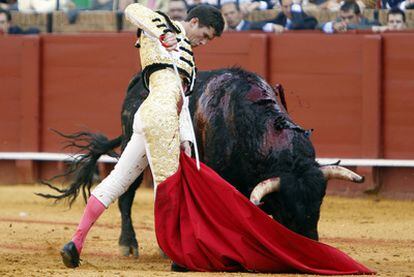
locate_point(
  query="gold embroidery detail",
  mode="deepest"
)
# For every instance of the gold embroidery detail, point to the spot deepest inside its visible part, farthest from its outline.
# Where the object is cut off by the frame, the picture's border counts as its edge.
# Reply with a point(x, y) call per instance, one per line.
point(160, 119)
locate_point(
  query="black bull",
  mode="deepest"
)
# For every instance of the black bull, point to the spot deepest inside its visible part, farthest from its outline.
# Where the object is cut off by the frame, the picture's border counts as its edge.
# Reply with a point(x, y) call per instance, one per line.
point(244, 135)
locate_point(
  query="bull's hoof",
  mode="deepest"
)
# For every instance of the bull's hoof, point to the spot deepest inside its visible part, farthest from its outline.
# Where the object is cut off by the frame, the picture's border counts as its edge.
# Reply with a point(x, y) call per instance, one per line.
point(177, 268)
point(128, 251)
point(70, 255)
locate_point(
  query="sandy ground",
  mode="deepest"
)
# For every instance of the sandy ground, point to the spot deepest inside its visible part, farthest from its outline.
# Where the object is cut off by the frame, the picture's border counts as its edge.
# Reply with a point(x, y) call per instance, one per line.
point(378, 233)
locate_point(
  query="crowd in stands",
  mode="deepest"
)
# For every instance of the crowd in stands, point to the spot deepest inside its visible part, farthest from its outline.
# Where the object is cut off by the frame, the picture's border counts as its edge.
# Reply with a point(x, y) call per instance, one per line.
point(293, 15)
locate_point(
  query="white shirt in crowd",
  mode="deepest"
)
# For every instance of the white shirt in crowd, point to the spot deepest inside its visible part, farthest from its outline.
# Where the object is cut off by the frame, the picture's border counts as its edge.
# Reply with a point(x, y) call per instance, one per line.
point(41, 6)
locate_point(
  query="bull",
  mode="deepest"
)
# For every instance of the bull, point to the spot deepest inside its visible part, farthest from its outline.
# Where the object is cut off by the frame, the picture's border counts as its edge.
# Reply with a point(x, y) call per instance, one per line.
point(245, 135)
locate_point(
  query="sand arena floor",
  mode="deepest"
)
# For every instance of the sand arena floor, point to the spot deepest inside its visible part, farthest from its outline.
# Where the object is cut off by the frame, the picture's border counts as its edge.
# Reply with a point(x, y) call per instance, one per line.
point(378, 233)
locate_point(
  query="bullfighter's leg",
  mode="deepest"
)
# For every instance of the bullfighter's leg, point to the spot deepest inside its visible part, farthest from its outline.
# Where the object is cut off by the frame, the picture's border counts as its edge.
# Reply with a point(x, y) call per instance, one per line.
point(130, 165)
point(158, 116)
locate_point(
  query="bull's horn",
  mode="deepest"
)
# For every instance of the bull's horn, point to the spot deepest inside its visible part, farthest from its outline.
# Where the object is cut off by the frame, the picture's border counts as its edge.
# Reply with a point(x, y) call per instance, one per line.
point(264, 188)
point(342, 173)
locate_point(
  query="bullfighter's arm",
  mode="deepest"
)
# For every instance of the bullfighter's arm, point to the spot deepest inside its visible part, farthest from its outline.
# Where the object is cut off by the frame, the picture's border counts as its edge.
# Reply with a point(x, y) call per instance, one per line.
point(146, 19)
point(185, 127)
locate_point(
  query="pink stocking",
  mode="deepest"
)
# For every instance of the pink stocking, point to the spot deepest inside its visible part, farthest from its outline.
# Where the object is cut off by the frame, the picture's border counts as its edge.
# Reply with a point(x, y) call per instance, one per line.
point(93, 210)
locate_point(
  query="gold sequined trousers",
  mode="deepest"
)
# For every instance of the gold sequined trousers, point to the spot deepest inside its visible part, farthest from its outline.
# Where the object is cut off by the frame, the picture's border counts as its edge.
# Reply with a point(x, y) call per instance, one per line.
point(158, 117)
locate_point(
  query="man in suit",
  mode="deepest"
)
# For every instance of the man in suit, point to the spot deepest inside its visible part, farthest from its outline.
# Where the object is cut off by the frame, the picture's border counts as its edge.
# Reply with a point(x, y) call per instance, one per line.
point(234, 17)
point(292, 17)
point(350, 18)
point(177, 10)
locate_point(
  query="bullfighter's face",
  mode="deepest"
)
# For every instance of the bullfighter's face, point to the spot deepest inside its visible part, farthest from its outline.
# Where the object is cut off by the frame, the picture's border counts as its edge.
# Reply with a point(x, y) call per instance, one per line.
point(197, 34)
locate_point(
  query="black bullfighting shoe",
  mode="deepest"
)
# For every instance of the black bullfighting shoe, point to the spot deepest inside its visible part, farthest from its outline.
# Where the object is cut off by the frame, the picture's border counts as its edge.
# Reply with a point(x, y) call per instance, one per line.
point(70, 255)
point(177, 268)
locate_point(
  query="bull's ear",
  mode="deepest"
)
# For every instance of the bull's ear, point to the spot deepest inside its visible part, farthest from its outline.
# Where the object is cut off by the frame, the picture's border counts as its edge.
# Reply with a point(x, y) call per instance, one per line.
point(279, 91)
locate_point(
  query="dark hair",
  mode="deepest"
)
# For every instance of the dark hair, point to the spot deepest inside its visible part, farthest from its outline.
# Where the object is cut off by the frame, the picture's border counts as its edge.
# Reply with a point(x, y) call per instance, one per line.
point(7, 13)
point(351, 6)
point(396, 10)
point(235, 3)
point(208, 16)
point(184, 1)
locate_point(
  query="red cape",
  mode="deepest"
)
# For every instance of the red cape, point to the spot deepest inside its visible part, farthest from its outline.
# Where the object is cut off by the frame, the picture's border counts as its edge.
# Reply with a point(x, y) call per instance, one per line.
point(204, 224)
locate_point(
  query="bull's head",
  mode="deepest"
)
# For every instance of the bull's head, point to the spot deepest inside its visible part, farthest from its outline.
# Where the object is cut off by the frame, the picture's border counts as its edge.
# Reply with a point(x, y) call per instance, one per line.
point(249, 139)
point(329, 172)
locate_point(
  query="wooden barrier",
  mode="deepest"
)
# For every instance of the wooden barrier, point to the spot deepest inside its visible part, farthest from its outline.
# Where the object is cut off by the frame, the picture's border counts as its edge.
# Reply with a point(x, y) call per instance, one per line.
point(235, 49)
point(354, 89)
point(19, 102)
point(397, 111)
point(87, 21)
point(27, 20)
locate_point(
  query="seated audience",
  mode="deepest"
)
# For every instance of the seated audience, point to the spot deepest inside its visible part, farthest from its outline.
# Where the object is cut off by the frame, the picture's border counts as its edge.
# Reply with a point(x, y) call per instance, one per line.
point(395, 21)
point(102, 5)
point(292, 17)
point(247, 6)
point(44, 6)
point(234, 17)
point(335, 5)
point(407, 5)
point(6, 26)
point(156, 5)
point(350, 18)
point(388, 4)
point(177, 9)
point(110, 5)
point(4, 4)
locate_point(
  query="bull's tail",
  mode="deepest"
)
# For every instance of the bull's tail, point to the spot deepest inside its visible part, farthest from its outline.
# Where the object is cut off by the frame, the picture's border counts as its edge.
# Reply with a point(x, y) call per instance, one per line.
point(83, 168)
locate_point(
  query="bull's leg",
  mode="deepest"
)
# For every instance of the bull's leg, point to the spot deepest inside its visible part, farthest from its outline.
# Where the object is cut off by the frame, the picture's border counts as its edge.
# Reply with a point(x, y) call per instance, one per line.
point(128, 244)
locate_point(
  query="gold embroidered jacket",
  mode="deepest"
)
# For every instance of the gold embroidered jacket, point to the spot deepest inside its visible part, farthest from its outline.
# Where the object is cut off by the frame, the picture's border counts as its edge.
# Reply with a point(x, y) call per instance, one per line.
point(153, 55)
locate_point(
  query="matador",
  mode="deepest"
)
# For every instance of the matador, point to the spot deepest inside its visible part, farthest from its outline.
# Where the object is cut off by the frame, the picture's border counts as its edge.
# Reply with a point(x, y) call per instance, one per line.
point(168, 71)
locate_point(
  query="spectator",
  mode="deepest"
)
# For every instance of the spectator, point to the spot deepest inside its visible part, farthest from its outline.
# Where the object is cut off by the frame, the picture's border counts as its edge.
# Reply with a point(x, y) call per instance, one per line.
point(6, 26)
point(8, 4)
point(102, 5)
point(234, 17)
point(177, 10)
point(110, 5)
point(335, 5)
point(395, 21)
point(44, 6)
point(4, 4)
point(247, 6)
point(292, 17)
point(350, 18)
point(388, 4)
point(156, 5)
point(407, 5)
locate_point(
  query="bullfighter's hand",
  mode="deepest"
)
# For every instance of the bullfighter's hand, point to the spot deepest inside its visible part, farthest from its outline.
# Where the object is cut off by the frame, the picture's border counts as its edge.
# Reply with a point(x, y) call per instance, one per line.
point(169, 41)
point(186, 147)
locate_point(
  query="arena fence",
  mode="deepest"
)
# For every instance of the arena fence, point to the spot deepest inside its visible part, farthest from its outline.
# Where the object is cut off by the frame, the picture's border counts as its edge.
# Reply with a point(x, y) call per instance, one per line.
point(355, 90)
point(64, 157)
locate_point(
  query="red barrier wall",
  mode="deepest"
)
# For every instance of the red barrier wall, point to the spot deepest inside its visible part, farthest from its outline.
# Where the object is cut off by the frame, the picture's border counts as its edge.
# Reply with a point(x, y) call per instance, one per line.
point(398, 112)
point(354, 90)
point(84, 82)
point(235, 49)
point(326, 79)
